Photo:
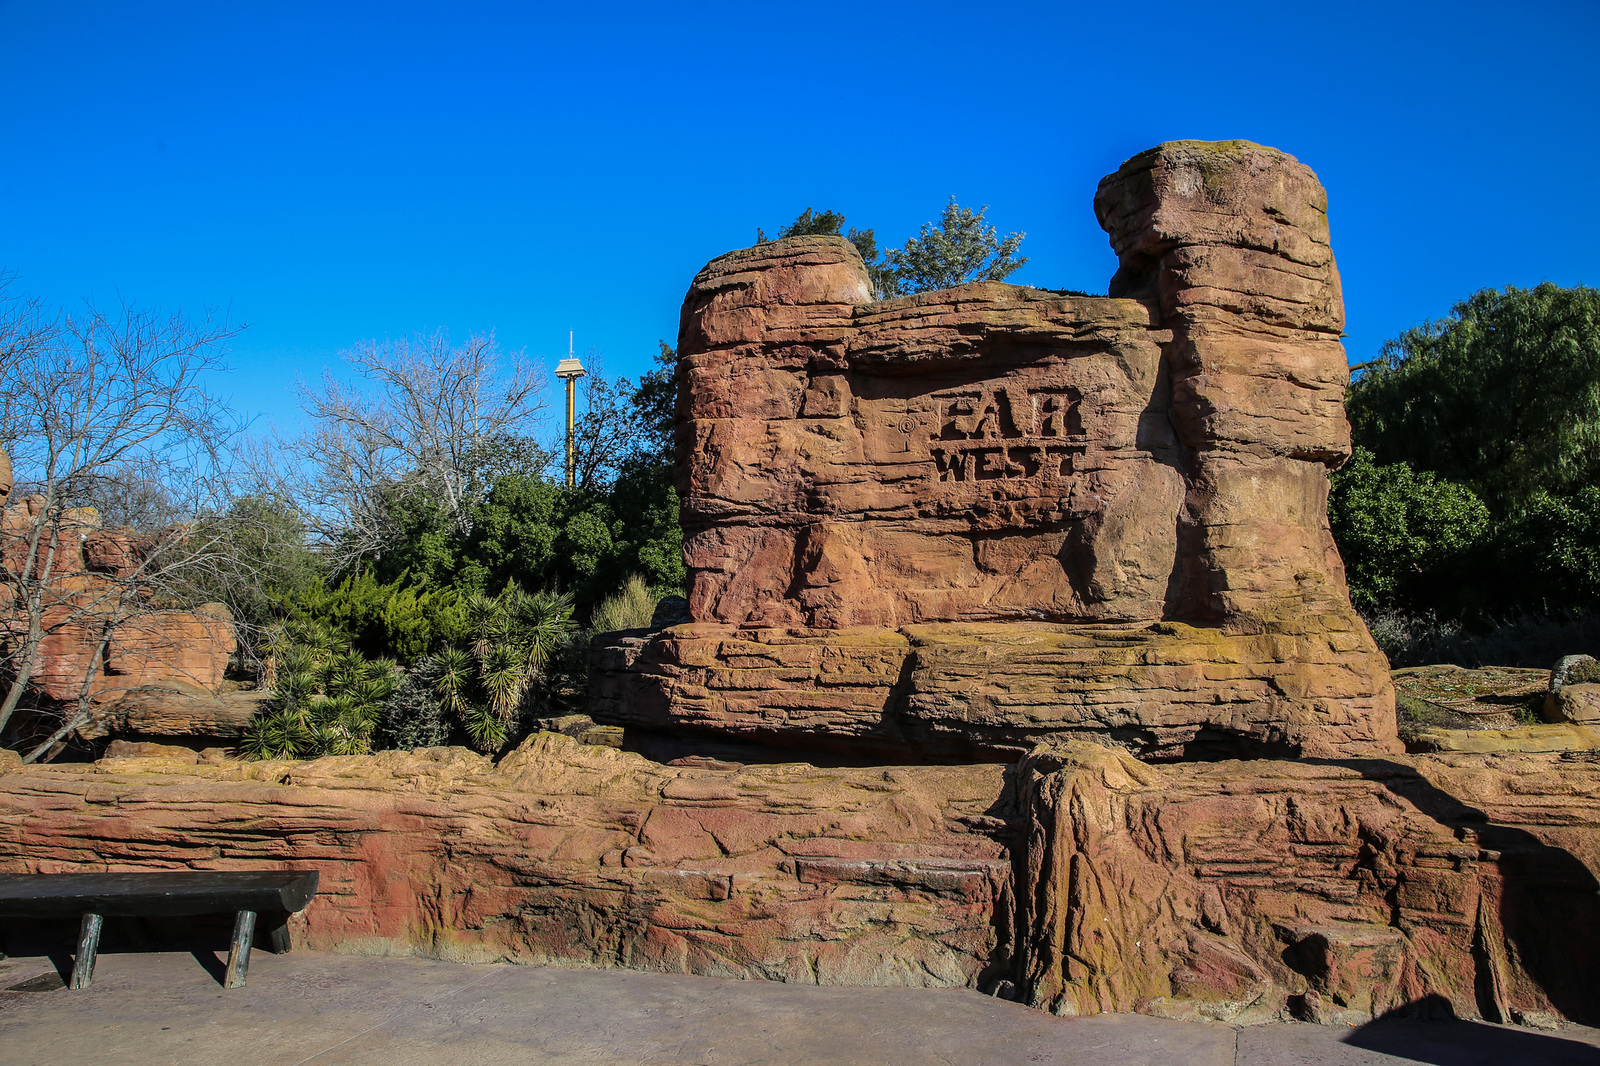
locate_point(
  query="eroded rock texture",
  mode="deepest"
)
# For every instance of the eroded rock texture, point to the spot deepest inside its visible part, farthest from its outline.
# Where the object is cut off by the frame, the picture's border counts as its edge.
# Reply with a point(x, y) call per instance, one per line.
point(1334, 891)
point(99, 634)
point(570, 852)
point(954, 524)
point(1328, 890)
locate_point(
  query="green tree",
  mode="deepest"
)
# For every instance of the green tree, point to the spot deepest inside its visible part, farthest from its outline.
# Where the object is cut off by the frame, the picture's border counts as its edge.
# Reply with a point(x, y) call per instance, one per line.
point(1503, 395)
point(1406, 537)
point(1550, 551)
point(261, 543)
point(961, 249)
point(831, 224)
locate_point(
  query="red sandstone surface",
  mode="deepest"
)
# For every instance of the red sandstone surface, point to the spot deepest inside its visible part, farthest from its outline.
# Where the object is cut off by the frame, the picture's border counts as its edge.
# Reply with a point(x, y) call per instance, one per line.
point(885, 876)
point(1243, 891)
point(92, 584)
point(956, 524)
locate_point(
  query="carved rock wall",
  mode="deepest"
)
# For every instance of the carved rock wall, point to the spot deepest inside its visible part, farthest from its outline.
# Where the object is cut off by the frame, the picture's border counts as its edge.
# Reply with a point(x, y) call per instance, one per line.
point(1242, 891)
point(1335, 892)
point(570, 852)
point(955, 524)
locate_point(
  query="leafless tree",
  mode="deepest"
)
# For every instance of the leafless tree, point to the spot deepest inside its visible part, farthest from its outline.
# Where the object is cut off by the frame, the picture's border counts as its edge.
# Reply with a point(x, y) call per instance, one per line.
point(432, 416)
point(608, 429)
point(99, 407)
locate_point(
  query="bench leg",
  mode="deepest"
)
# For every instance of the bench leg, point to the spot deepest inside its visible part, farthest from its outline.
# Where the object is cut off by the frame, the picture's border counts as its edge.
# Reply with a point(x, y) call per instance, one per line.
point(278, 933)
point(88, 947)
point(244, 931)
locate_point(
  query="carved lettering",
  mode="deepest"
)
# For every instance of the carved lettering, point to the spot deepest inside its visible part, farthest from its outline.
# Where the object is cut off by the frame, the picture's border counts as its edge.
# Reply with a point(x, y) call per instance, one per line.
point(1035, 427)
point(952, 465)
point(991, 463)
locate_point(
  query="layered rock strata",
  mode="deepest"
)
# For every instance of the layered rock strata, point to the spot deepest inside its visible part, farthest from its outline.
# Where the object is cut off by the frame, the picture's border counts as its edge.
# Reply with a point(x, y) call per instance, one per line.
point(1333, 891)
point(954, 524)
point(569, 852)
point(1459, 885)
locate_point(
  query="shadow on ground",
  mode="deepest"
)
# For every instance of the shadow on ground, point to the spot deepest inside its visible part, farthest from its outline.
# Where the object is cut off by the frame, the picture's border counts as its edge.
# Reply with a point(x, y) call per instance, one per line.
point(56, 939)
point(1462, 1043)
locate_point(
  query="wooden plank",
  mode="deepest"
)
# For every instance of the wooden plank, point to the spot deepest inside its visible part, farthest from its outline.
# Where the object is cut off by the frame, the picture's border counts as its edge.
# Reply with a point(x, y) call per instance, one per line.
point(244, 931)
point(177, 892)
point(88, 948)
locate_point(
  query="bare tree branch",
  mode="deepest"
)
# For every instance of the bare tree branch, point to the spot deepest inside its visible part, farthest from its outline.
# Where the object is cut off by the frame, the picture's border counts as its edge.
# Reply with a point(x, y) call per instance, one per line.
point(95, 409)
point(434, 411)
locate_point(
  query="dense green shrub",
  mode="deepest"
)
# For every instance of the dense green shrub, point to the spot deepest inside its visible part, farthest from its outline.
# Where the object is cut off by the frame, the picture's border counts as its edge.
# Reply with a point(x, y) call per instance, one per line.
point(413, 716)
point(1472, 497)
point(1550, 550)
point(1406, 536)
point(397, 619)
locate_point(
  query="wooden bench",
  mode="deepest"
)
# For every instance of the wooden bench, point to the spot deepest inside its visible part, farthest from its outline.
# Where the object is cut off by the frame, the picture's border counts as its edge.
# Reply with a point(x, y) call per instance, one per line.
point(91, 897)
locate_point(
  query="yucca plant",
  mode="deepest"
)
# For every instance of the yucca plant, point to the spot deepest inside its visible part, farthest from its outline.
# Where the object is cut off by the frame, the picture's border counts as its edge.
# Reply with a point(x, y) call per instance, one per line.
point(326, 699)
point(510, 636)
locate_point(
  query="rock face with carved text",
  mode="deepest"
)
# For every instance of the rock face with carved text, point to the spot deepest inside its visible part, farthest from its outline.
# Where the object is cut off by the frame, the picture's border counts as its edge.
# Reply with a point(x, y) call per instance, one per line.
point(955, 524)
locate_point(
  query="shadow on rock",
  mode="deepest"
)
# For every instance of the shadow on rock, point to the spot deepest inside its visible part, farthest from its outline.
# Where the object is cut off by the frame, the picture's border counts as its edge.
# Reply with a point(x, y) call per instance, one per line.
point(1539, 915)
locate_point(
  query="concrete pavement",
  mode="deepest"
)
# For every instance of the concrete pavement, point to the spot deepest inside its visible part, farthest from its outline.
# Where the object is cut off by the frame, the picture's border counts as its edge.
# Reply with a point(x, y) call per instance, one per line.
point(311, 1008)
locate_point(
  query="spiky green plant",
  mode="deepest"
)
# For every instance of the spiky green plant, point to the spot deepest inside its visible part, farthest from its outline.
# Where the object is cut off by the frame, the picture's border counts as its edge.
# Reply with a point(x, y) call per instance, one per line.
point(485, 685)
point(326, 699)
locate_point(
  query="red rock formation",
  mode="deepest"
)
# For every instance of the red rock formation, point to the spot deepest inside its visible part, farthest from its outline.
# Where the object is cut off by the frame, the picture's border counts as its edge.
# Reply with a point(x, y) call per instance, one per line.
point(958, 523)
point(568, 852)
point(1241, 891)
point(91, 584)
point(1335, 892)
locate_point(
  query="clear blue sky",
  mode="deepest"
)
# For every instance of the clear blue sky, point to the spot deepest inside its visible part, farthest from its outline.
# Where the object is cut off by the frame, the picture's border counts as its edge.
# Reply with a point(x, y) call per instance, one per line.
point(327, 171)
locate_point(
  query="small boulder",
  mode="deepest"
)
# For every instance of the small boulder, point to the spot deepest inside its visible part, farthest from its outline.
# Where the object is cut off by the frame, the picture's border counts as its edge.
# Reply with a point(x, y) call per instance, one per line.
point(143, 749)
point(1574, 692)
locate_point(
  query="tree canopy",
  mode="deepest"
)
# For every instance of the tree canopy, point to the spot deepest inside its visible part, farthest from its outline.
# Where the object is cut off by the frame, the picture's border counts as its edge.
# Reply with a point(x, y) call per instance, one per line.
point(1472, 493)
point(1503, 395)
point(960, 249)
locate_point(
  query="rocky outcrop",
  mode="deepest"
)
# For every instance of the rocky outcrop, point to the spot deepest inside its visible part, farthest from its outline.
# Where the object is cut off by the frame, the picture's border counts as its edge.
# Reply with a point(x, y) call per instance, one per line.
point(1573, 694)
point(177, 711)
point(967, 691)
point(570, 852)
point(101, 630)
point(1330, 890)
point(953, 524)
point(1334, 892)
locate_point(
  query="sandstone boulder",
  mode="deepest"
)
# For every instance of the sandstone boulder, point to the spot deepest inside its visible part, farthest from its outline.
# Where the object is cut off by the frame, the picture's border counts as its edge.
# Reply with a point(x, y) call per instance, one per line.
point(178, 710)
point(954, 524)
point(145, 749)
point(1574, 694)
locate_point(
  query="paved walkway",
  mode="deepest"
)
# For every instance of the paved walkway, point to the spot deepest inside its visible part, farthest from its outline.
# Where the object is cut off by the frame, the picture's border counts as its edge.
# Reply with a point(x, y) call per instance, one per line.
point(312, 1008)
